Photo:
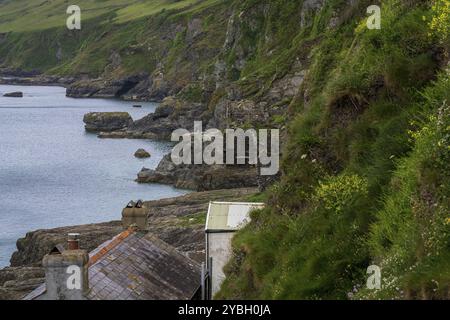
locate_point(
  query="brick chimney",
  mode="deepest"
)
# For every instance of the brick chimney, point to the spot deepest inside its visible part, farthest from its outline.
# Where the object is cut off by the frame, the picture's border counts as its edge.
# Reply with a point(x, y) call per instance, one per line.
point(66, 273)
point(135, 215)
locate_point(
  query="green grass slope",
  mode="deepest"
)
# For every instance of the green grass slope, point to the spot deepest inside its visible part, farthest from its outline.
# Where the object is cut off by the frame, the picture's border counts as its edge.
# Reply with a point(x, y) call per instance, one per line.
point(366, 171)
point(25, 15)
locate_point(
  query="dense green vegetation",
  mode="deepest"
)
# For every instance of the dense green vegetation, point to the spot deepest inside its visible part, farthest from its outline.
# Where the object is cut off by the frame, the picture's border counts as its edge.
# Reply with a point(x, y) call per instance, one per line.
point(366, 171)
point(366, 166)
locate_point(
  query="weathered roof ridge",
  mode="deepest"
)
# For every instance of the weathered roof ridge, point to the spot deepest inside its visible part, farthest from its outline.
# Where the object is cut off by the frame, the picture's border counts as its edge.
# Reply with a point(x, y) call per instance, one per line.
point(96, 254)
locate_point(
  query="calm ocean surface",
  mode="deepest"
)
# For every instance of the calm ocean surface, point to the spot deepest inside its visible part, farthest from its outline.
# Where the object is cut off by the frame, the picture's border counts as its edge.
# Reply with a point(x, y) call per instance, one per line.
point(53, 173)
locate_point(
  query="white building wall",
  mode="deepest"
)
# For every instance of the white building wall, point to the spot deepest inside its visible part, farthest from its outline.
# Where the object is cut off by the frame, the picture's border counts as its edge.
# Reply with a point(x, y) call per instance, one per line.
point(219, 249)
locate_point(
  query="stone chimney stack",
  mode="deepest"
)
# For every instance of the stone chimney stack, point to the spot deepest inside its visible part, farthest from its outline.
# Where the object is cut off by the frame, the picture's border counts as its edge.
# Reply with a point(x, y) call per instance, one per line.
point(66, 273)
point(135, 215)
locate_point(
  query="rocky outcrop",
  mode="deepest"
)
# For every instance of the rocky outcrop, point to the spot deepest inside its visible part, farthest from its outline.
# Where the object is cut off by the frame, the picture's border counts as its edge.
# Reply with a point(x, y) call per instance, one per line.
point(178, 221)
point(133, 87)
point(36, 244)
point(142, 153)
point(16, 94)
point(17, 282)
point(200, 177)
point(309, 8)
point(159, 87)
point(170, 115)
point(21, 77)
point(37, 81)
point(106, 121)
point(19, 73)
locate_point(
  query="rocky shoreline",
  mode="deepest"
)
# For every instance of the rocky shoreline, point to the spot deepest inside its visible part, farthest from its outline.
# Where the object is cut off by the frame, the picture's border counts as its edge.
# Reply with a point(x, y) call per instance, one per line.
point(32, 78)
point(178, 221)
point(131, 88)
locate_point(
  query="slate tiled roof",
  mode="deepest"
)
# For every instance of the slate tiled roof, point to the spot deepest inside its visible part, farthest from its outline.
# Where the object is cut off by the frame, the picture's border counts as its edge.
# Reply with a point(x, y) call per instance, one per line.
point(139, 266)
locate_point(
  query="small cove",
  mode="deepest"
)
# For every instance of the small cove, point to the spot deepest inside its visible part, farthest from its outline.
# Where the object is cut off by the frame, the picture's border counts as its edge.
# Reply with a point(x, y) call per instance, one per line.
point(53, 173)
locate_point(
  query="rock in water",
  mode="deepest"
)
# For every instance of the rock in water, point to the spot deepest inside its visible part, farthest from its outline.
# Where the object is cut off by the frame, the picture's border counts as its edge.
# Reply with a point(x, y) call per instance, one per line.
point(17, 94)
point(137, 106)
point(107, 121)
point(141, 154)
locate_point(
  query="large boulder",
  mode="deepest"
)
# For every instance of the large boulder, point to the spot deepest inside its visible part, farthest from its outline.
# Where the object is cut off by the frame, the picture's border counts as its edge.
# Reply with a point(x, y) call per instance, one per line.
point(107, 121)
point(142, 153)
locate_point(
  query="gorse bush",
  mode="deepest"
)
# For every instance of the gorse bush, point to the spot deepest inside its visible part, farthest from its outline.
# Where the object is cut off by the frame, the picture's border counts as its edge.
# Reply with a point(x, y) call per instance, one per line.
point(439, 25)
point(339, 192)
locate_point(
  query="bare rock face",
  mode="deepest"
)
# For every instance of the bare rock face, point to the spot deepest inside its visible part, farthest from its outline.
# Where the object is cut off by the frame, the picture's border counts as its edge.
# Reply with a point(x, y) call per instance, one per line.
point(36, 244)
point(142, 153)
point(106, 121)
point(170, 115)
point(17, 282)
point(308, 9)
point(132, 87)
point(17, 94)
point(200, 177)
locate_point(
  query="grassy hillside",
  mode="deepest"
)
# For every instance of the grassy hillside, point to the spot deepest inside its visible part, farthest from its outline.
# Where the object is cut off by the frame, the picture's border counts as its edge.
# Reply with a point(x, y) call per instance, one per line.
point(366, 170)
point(25, 15)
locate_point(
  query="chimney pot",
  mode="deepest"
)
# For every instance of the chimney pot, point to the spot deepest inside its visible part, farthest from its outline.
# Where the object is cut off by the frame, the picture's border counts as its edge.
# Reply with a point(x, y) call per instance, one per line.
point(73, 241)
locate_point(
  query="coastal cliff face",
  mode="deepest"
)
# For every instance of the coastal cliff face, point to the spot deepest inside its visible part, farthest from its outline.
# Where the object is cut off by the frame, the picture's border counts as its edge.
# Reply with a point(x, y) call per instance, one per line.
point(363, 114)
point(32, 248)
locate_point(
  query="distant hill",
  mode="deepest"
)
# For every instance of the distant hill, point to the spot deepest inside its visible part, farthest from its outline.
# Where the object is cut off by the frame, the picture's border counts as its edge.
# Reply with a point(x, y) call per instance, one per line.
point(26, 15)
